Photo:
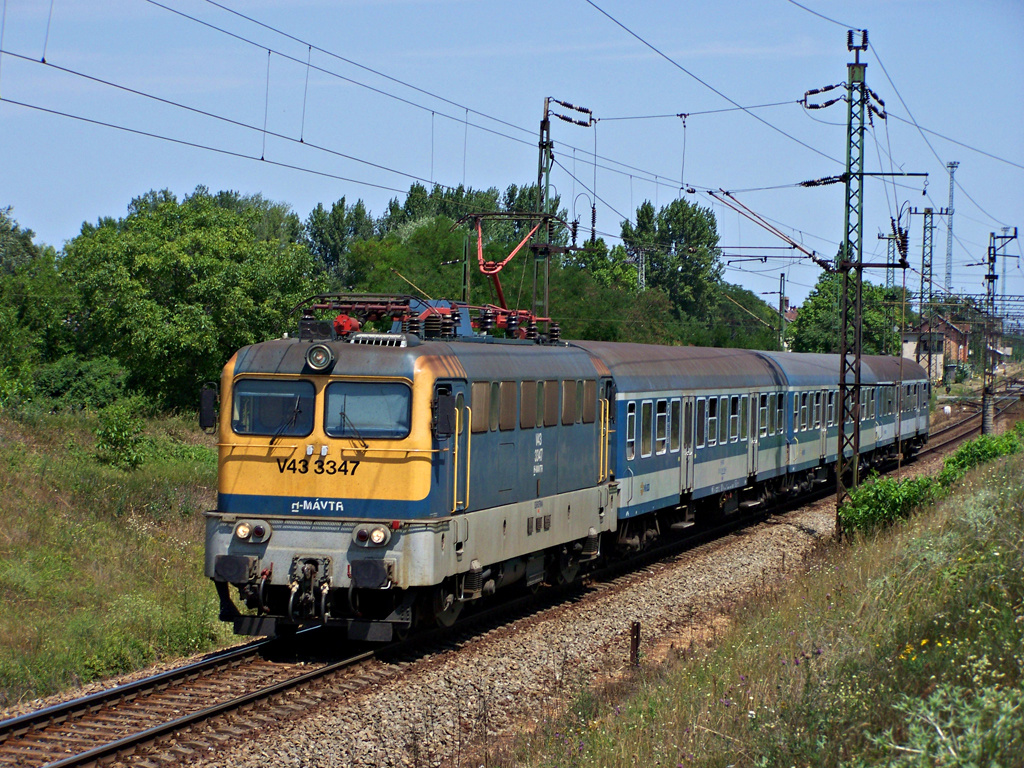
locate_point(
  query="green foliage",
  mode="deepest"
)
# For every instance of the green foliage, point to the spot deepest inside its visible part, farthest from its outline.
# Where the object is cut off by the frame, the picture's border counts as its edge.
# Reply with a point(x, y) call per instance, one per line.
point(979, 451)
point(680, 246)
point(119, 435)
point(743, 320)
point(882, 501)
point(101, 570)
point(74, 383)
point(330, 234)
point(173, 289)
point(816, 328)
point(955, 726)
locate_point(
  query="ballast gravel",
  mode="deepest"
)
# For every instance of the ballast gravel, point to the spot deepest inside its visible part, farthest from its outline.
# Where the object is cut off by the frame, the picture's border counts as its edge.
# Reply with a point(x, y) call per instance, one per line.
point(452, 708)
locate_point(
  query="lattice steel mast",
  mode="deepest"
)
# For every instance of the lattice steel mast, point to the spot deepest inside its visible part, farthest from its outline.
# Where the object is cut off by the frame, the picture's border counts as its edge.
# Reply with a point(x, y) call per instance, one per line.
point(850, 265)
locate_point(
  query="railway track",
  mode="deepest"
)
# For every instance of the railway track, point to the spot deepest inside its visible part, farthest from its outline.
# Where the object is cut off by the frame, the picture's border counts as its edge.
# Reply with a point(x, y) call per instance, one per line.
point(163, 716)
point(950, 435)
point(96, 729)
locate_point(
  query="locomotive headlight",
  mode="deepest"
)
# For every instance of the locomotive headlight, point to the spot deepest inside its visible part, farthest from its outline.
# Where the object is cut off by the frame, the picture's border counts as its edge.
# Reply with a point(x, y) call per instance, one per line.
point(372, 535)
point(319, 356)
point(243, 531)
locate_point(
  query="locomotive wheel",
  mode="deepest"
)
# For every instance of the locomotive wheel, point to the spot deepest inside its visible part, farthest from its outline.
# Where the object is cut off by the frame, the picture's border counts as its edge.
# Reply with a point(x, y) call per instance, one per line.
point(447, 606)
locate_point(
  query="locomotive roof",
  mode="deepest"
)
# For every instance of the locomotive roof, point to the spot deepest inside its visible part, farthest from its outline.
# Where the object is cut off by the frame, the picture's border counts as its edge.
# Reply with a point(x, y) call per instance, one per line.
point(289, 356)
point(484, 361)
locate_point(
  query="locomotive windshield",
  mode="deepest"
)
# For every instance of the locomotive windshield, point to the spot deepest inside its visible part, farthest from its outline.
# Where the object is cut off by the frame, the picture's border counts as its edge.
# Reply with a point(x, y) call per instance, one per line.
point(279, 408)
point(362, 409)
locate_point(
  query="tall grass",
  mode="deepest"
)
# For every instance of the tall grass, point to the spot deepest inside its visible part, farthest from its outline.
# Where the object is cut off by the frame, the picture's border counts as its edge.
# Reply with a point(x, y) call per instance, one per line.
point(902, 648)
point(100, 567)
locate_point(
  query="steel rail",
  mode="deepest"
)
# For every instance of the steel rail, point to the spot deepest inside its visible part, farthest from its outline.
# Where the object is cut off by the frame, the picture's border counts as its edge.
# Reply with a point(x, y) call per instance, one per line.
point(128, 744)
point(58, 713)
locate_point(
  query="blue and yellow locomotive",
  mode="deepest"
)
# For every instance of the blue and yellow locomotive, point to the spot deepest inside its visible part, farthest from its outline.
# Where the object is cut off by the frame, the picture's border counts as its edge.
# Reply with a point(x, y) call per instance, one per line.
point(373, 481)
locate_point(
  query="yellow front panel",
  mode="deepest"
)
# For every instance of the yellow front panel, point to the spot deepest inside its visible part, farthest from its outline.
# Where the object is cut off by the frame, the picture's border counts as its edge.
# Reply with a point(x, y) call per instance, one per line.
point(323, 467)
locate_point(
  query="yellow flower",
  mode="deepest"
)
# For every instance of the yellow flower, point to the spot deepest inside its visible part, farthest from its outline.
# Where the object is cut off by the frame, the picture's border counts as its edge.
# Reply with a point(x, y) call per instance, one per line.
point(924, 642)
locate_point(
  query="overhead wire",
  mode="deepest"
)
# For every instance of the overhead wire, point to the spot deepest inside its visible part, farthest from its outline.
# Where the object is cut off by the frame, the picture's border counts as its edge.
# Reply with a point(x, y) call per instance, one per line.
point(707, 85)
point(219, 118)
point(196, 145)
point(925, 138)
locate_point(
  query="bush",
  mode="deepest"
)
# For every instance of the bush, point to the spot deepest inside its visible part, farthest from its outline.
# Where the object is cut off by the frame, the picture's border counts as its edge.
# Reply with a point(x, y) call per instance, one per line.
point(119, 436)
point(883, 501)
point(978, 451)
point(76, 384)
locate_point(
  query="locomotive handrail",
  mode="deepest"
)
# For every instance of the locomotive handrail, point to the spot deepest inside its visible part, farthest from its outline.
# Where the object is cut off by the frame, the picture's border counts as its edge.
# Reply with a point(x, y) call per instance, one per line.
point(602, 461)
point(455, 459)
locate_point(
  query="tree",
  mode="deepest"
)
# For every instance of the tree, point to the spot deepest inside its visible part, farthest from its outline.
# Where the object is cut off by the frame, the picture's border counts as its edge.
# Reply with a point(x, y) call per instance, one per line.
point(743, 320)
point(330, 234)
point(608, 268)
point(679, 244)
point(34, 307)
point(173, 289)
point(816, 328)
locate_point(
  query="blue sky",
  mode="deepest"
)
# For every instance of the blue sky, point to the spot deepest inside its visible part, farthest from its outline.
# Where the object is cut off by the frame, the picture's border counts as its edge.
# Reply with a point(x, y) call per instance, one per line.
point(479, 73)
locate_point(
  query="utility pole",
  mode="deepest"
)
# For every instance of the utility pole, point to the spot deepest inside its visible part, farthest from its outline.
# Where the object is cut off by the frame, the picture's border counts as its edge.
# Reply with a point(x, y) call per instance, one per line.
point(782, 311)
point(541, 253)
point(543, 249)
point(891, 243)
point(952, 166)
point(927, 298)
point(860, 100)
point(850, 265)
point(992, 332)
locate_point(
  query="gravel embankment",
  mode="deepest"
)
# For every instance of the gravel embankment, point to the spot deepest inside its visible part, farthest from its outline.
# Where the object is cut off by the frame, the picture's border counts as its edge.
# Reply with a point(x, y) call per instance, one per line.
point(494, 687)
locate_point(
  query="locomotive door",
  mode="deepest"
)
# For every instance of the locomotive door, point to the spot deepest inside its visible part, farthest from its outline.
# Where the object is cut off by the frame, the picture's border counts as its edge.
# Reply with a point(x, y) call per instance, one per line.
point(452, 428)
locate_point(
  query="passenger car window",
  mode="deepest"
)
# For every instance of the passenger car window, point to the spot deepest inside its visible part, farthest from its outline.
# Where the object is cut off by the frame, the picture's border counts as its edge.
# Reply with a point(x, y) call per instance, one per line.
point(646, 425)
point(507, 417)
point(661, 427)
point(673, 428)
point(528, 405)
point(701, 421)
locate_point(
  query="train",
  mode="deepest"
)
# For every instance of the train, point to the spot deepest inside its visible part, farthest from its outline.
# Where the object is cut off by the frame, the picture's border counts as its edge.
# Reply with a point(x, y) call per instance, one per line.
point(380, 480)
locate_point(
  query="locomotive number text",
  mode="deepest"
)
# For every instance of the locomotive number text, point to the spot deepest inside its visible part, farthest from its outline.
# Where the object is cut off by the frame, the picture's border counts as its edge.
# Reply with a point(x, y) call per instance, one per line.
point(318, 467)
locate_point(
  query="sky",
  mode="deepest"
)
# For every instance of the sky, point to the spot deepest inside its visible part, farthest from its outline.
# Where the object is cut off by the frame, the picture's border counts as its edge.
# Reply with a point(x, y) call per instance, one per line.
point(306, 102)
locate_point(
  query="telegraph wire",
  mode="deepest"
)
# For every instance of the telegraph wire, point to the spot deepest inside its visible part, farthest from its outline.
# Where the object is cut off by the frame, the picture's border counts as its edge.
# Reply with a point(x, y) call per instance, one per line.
point(241, 38)
point(823, 16)
point(338, 75)
point(913, 120)
point(707, 85)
